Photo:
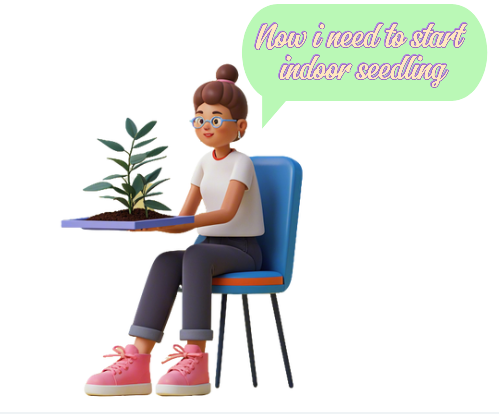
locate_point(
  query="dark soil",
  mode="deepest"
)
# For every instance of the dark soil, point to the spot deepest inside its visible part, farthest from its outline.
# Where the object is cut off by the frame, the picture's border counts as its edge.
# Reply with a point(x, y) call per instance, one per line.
point(123, 215)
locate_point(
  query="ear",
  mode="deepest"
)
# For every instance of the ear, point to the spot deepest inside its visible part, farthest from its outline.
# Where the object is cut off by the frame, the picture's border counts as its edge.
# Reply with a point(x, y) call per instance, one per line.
point(241, 126)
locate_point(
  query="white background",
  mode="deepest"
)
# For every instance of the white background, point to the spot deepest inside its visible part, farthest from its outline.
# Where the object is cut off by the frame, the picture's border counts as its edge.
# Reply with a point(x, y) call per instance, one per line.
point(394, 301)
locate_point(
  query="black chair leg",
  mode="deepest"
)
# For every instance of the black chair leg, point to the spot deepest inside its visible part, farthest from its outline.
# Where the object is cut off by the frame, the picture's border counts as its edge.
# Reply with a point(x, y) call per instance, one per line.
point(250, 339)
point(221, 340)
point(278, 322)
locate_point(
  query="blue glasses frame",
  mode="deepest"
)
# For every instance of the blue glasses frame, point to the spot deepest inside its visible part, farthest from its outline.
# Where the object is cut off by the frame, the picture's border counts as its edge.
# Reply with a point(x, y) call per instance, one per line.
point(211, 121)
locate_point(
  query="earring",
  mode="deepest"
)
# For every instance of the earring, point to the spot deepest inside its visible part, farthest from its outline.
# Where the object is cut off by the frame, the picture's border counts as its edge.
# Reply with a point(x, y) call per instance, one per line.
point(238, 135)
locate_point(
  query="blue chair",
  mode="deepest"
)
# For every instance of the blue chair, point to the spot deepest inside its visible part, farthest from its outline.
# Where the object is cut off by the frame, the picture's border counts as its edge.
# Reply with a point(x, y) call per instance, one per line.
point(279, 179)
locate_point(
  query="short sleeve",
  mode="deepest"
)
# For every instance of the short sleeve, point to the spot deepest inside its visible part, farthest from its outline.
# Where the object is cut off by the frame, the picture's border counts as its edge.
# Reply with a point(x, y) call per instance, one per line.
point(243, 171)
point(198, 174)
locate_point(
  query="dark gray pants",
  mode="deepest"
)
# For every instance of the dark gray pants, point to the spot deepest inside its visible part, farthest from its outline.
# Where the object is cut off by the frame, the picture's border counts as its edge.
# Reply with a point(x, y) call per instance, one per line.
point(194, 270)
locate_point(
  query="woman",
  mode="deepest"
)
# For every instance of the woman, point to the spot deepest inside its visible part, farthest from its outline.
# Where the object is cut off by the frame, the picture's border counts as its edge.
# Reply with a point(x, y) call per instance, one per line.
point(225, 180)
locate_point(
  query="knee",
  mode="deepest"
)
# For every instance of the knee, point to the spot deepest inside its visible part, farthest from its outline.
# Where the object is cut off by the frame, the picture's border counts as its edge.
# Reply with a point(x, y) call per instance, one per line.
point(194, 249)
point(195, 253)
point(197, 257)
point(168, 260)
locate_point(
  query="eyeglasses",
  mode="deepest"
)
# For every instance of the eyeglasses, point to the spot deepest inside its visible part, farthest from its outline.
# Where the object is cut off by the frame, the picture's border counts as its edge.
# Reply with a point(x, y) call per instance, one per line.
point(216, 121)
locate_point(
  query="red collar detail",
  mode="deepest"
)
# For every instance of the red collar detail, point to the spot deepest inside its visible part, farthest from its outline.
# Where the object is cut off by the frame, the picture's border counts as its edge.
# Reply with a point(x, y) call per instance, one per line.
point(220, 159)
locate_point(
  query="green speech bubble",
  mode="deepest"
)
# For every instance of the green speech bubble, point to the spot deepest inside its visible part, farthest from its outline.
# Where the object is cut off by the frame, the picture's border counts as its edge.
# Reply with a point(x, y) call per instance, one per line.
point(357, 59)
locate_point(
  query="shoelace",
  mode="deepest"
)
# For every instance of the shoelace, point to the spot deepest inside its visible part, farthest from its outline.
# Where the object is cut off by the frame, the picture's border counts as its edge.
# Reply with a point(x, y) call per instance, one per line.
point(122, 363)
point(187, 364)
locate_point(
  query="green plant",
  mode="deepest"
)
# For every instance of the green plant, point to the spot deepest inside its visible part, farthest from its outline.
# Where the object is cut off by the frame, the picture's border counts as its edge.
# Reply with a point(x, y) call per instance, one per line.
point(141, 186)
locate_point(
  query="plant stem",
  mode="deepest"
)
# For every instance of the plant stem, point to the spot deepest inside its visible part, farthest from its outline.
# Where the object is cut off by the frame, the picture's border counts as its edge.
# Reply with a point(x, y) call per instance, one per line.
point(130, 198)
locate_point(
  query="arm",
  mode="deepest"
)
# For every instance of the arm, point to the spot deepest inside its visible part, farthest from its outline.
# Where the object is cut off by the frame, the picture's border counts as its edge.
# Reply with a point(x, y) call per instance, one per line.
point(192, 201)
point(227, 212)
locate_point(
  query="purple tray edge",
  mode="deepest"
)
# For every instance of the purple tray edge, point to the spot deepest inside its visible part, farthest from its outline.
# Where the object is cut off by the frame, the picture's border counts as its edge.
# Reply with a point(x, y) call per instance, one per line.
point(83, 223)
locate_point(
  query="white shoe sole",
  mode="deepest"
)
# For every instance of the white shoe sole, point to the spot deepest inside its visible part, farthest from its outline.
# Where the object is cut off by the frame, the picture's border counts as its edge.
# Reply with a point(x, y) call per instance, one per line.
point(166, 389)
point(107, 390)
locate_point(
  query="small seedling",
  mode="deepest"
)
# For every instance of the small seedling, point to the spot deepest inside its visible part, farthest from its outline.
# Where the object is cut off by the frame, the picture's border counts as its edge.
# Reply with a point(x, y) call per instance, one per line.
point(141, 186)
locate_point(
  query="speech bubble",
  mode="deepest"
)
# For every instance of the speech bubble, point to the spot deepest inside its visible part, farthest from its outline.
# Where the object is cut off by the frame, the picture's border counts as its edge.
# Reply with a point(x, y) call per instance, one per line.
point(358, 53)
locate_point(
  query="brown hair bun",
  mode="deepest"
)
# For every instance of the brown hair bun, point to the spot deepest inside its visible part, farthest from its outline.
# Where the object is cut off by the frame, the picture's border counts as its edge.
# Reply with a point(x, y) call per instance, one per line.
point(223, 93)
point(227, 72)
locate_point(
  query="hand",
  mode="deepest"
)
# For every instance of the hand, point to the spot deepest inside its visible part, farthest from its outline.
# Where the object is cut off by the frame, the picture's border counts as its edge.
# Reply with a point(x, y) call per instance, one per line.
point(179, 228)
point(151, 229)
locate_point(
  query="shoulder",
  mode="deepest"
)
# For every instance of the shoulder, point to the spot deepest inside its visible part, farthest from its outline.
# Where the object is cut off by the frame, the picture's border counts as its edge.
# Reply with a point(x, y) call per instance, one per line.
point(204, 159)
point(240, 155)
point(241, 158)
point(243, 169)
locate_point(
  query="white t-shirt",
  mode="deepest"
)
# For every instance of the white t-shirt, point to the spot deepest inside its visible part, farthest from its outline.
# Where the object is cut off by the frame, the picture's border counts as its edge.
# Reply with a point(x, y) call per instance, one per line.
point(212, 176)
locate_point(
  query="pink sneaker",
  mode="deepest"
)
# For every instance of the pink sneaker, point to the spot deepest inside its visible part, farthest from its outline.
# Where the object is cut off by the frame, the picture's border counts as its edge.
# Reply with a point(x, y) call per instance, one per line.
point(127, 376)
point(189, 377)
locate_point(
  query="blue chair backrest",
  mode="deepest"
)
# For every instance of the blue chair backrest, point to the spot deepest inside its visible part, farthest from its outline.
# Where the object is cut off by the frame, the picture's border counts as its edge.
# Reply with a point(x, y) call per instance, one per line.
point(279, 180)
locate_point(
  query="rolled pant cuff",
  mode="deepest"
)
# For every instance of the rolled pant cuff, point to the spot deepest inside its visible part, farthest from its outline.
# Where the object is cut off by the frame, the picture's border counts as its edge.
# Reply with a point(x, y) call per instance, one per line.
point(146, 333)
point(196, 335)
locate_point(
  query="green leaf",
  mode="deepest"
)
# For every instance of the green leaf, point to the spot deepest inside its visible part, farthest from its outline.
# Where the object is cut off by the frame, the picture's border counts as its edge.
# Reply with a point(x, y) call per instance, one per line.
point(141, 144)
point(98, 186)
point(138, 199)
point(120, 162)
point(155, 151)
point(145, 162)
point(122, 201)
point(119, 190)
point(141, 177)
point(114, 176)
point(138, 158)
point(156, 205)
point(130, 128)
point(129, 189)
point(147, 195)
point(137, 185)
point(157, 183)
point(111, 144)
point(151, 177)
point(145, 129)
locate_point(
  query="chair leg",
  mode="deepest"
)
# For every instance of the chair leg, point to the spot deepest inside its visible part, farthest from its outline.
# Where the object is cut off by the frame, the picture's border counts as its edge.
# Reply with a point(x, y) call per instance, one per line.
point(221, 340)
point(278, 322)
point(250, 339)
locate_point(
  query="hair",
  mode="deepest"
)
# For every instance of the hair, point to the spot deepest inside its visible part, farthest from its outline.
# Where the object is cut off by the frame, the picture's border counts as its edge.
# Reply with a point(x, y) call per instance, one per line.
point(223, 93)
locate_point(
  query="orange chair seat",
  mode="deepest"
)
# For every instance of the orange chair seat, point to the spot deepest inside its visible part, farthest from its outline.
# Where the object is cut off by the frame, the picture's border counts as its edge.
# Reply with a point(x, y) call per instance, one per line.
point(262, 278)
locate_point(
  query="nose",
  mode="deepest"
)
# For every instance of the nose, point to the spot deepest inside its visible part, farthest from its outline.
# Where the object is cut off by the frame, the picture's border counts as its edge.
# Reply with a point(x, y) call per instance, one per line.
point(206, 126)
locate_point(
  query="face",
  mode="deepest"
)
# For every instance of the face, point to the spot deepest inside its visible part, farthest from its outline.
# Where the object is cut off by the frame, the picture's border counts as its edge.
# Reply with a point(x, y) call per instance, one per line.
point(224, 135)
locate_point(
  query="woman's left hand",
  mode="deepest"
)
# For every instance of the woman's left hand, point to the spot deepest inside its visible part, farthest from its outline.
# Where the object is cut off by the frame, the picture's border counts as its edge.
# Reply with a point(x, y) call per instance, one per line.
point(179, 228)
